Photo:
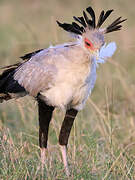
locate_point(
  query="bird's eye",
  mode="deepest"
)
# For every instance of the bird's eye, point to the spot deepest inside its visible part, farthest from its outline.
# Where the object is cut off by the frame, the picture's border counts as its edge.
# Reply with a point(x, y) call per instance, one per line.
point(88, 44)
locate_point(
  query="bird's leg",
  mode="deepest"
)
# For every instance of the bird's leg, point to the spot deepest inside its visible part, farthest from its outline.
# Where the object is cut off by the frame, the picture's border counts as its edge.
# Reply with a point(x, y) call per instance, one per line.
point(64, 135)
point(45, 115)
point(63, 149)
point(43, 152)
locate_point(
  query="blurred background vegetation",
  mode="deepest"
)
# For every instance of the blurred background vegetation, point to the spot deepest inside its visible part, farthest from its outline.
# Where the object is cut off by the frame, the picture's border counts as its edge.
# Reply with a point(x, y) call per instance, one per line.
point(102, 142)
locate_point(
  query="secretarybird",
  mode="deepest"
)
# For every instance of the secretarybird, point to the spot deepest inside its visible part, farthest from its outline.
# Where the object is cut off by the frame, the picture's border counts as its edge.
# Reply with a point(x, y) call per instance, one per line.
point(61, 76)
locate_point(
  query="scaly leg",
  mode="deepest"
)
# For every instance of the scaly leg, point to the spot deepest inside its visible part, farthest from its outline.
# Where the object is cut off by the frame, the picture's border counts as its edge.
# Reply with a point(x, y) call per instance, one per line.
point(45, 115)
point(63, 149)
point(64, 135)
point(43, 152)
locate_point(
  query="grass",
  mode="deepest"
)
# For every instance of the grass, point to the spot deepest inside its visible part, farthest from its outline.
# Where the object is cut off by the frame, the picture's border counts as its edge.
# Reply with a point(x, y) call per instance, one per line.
point(102, 141)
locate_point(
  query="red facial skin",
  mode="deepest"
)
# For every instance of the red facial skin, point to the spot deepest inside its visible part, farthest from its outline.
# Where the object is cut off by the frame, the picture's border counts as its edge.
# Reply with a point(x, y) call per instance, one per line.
point(88, 44)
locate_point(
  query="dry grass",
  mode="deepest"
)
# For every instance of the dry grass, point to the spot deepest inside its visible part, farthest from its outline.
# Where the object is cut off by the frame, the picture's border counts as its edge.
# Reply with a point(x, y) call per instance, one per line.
point(102, 142)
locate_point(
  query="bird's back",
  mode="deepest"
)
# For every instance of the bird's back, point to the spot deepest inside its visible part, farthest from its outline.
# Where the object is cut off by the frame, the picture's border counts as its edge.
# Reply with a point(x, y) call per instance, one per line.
point(58, 73)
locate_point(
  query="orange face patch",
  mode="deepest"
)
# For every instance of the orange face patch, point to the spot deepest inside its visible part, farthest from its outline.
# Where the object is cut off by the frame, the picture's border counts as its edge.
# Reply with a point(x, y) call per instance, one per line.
point(88, 44)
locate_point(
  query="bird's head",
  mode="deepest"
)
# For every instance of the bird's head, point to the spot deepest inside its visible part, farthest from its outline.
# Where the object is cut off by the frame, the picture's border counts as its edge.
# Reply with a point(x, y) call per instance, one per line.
point(92, 41)
point(91, 34)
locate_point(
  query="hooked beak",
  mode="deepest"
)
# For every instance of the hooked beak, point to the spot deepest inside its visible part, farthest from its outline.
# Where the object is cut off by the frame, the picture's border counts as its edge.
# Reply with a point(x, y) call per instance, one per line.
point(95, 53)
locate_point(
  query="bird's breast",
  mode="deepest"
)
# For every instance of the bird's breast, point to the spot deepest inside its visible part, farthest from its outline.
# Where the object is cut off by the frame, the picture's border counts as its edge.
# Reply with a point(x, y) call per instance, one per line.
point(84, 91)
point(72, 86)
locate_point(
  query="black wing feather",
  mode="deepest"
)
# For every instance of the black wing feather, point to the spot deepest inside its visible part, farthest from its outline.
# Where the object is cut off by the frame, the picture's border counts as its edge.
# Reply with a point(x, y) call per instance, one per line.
point(29, 55)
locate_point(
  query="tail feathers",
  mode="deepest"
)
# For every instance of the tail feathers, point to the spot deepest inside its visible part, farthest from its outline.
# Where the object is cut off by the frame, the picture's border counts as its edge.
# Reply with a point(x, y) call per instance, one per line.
point(4, 97)
point(8, 85)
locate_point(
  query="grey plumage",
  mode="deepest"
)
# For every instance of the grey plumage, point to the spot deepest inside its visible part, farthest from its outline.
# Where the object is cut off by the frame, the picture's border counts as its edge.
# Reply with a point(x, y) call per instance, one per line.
point(57, 73)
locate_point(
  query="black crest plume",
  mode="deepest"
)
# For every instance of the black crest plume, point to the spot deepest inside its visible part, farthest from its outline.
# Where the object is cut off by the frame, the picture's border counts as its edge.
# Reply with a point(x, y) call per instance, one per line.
point(84, 22)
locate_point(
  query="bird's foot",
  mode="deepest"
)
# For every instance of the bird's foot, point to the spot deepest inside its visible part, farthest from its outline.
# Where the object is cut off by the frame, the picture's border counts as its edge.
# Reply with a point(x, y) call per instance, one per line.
point(43, 159)
point(63, 149)
point(43, 155)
